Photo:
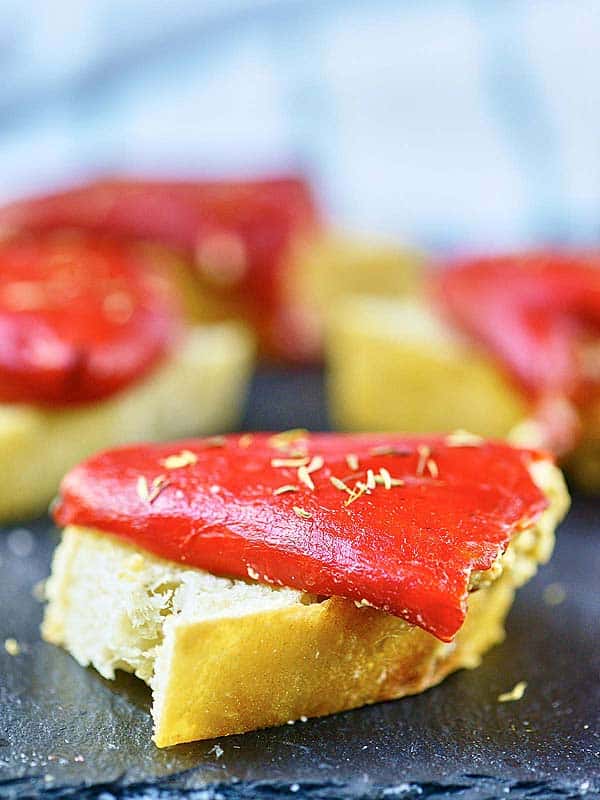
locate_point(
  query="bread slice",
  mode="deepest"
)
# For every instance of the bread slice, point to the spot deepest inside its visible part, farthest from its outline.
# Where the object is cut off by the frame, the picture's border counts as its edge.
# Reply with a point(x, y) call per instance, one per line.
point(199, 389)
point(319, 270)
point(226, 656)
point(395, 365)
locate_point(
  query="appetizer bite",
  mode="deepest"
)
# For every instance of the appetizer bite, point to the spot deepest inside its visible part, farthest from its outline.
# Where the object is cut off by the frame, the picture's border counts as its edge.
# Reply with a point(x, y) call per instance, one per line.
point(94, 352)
point(495, 343)
point(258, 250)
point(257, 579)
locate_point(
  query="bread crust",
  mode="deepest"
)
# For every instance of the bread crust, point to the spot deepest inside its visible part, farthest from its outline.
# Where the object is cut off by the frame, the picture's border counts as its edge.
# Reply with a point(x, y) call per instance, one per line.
point(199, 389)
point(306, 661)
point(234, 671)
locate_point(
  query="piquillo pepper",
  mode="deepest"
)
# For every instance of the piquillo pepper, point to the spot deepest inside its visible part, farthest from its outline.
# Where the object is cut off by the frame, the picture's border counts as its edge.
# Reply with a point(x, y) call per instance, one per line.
point(398, 523)
point(80, 318)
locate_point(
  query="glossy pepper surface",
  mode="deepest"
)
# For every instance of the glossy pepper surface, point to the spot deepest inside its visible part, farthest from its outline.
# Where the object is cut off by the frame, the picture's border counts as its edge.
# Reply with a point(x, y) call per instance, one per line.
point(80, 318)
point(538, 313)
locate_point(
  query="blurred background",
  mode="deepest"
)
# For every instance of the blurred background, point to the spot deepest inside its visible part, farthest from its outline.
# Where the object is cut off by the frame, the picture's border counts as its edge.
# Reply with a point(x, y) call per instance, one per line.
point(448, 124)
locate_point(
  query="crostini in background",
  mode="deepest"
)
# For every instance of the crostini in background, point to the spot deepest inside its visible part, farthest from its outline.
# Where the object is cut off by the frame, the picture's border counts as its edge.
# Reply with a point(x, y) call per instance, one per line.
point(95, 351)
point(498, 345)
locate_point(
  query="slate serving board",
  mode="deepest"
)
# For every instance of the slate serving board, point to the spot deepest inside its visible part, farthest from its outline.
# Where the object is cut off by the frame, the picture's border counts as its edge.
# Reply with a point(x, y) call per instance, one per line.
point(66, 732)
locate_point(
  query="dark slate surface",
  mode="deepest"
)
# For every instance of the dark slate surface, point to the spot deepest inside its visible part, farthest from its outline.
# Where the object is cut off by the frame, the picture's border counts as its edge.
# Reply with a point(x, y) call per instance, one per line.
point(66, 732)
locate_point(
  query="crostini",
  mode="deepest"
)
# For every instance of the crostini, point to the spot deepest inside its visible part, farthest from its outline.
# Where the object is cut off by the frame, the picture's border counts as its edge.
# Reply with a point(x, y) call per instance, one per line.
point(496, 345)
point(255, 579)
point(94, 352)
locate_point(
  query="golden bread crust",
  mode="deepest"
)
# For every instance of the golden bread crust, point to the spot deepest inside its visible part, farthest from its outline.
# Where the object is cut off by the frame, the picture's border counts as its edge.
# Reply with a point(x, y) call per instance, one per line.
point(334, 264)
point(308, 661)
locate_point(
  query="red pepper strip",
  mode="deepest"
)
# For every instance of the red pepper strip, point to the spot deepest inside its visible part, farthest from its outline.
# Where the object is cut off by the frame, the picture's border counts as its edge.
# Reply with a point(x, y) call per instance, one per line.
point(238, 233)
point(408, 549)
point(80, 319)
point(536, 313)
point(533, 312)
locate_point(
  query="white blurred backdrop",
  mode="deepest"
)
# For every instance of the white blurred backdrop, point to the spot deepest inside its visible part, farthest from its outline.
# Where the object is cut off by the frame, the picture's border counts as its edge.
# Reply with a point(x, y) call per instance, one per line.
point(446, 123)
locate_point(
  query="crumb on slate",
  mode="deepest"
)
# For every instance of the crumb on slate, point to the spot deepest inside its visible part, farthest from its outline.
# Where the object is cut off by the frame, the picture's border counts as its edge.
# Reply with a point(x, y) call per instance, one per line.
point(12, 647)
point(217, 750)
point(516, 693)
point(554, 594)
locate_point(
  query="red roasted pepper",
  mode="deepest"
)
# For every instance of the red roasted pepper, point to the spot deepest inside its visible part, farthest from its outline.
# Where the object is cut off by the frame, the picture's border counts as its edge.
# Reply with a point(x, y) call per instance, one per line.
point(539, 315)
point(80, 318)
point(534, 312)
point(295, 510)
